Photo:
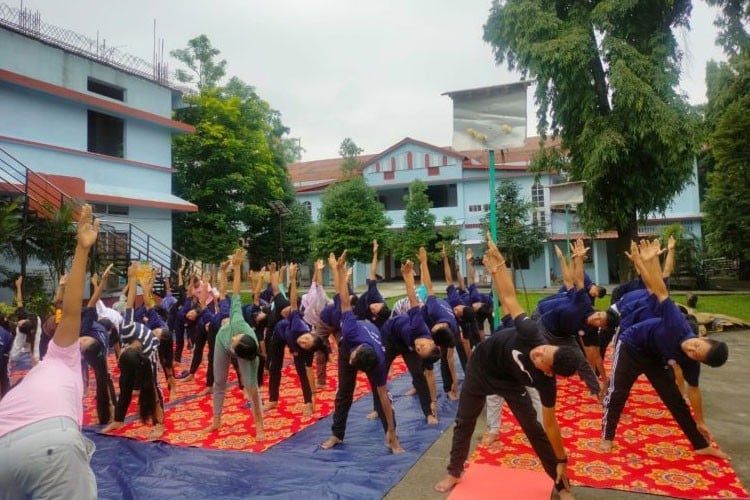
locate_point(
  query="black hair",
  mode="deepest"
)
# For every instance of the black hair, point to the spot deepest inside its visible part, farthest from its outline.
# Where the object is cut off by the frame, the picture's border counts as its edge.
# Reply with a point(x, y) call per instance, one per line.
point(136, 369)
point(247, 348)
point(321, 344)
point(365, 359)
point(613, 319)
point(693, 322)
point(484, 313)
point(444, 337)
point(382, 316)
point(717, 353)
point(4, 322)
point(565, 361)
point(602, 292)
point(434, 355)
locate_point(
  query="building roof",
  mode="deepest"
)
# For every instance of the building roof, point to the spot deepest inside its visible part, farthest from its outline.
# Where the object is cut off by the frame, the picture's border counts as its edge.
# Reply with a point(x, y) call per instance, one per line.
point(490, 90)
point(316, 175)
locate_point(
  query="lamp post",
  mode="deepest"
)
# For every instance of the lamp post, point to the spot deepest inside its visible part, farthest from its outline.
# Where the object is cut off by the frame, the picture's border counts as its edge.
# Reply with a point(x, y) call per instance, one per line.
point(282, 211)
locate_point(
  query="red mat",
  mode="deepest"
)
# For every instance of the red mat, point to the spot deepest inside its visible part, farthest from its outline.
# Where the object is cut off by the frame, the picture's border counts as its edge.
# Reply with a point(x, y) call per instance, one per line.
point(186, 419)
point(651, 454)
point(490, 481)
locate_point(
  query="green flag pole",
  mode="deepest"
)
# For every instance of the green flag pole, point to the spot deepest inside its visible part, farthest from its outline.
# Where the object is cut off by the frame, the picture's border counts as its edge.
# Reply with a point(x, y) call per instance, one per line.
point(493, 231)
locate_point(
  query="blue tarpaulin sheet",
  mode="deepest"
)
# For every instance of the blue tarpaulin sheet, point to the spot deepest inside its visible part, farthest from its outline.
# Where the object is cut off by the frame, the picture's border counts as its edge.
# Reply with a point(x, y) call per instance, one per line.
point(361, 467)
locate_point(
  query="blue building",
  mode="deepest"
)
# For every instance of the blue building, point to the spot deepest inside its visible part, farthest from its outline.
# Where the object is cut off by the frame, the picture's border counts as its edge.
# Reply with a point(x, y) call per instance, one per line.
point(83, 122)
point(458, 186)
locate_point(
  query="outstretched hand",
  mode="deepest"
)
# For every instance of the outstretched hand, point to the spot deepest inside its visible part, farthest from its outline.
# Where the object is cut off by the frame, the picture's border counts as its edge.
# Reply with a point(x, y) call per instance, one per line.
point(238, 257)
point(407, 268)
point(88, 228)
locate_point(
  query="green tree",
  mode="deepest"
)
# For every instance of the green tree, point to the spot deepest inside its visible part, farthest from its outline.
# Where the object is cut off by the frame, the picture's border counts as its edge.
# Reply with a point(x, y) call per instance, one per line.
point(350, 152)
point(227, 169)
point(198, 56)
point(350, 218)
point(51, 238)
point(419, 227)
point(606, 76)
point(449, 234)
point(518, 237)
point(726, 159)
point(232, 167)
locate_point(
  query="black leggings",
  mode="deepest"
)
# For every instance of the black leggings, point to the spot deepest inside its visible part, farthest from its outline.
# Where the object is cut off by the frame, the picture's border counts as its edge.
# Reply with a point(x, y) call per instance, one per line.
point(96, 358)
point(201, 337)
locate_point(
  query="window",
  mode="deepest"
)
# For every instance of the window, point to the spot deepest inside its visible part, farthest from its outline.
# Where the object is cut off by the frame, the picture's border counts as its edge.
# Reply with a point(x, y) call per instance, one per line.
point(106, 89)
point(443, 195)
point(393, 199)
point(106, 134)
point(475, 208)
point(307, 206)
point(537, 195)
point(540, 218)
point(105, 209)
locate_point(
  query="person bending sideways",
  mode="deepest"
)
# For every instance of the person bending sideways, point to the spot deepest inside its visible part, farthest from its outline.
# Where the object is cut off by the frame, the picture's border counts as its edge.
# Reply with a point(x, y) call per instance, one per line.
point(505, 364)
point(360, 348)
point(657, 347)
point(42, 451)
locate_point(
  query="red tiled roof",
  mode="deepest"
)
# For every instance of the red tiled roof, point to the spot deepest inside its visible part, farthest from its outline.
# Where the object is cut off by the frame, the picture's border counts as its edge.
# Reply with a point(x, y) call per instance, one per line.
point(315, 175)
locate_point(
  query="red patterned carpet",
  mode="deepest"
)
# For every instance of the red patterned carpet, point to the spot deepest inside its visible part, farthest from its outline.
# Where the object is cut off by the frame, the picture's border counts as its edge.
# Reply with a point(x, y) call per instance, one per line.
point(651, 454)
point(187, 414)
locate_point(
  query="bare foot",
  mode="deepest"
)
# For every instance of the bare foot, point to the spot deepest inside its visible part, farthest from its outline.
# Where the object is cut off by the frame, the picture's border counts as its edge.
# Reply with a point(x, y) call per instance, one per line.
point(271, 405)
point(307, 410)
point(212, 428)
point(330, 443)
point(446, 484)
point(712, 452)
point(488, 438)
point(432, 420)
point(260, 436)
point(411, 392)
point(113, 427)
point(566, 495)
point(606, 446)
point(453, 395)
point(372, 415)
point(156, 432)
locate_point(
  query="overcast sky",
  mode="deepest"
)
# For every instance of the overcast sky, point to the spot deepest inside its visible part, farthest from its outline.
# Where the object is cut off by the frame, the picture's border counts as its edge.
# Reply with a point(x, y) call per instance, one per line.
point(373, 71)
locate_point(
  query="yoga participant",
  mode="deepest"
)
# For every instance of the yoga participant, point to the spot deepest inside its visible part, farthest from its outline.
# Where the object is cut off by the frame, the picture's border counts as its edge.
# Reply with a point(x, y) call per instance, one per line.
point(313, 303)
point(42, 451)
point(361, 348)
point(236, 339)
point(6, 342)
point(653, 347)
point(371, 304)
point(571, 314)
point(28, 329)
point(407, 335)
point(138, 367)
point(438, 314)
point(156, 321)
point(505, 364)
point(462, 309)
point(293, 333)
point(94, 342)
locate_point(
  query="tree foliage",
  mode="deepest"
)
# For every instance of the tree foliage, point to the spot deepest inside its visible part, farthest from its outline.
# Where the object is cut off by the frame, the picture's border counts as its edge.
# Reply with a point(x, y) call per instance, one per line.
point(606, 75)
point(198, 56)
point(518, 237)
point(350, 152)
point(726, 159)
point(52, 238)
point(419, 224)
point(231, 167)
point(350, 218)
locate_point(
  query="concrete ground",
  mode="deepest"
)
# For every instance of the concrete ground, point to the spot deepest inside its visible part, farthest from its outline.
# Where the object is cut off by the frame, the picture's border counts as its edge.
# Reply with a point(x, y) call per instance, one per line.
point(726, 401)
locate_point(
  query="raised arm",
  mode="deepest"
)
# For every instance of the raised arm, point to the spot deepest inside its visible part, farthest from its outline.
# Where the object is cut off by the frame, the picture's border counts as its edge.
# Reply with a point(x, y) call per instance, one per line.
point(447, 267)
point(579, 251)
point(565, 270)
point(293, 267)
point(374, 263)
point(424, 270)
point(223, 279)
point(19, 292)
point(70, 325)
point(470, 266)
point(98, 286)
point(407, 273)
point(237, 260)
point(495, 264)
point(670, 259)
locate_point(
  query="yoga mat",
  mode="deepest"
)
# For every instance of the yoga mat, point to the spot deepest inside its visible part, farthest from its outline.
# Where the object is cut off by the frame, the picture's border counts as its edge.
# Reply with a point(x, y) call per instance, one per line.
point(498, 483)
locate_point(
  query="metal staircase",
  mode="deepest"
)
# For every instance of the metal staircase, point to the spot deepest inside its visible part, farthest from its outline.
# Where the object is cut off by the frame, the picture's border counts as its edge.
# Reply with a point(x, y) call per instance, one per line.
point(119, 242)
